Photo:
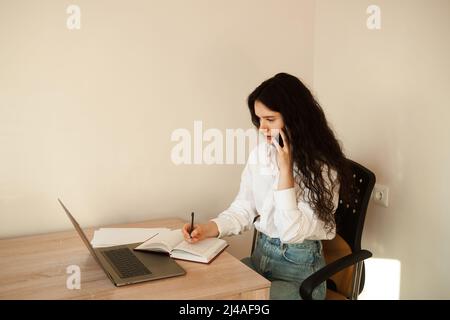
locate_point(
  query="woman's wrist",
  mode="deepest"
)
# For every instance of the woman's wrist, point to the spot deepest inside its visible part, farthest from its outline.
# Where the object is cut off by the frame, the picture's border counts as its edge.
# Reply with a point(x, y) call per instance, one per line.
point(213, 230)
point(286, 180)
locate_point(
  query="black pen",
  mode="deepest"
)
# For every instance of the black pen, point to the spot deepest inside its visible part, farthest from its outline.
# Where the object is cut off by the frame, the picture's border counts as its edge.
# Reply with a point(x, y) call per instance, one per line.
point(192, 224)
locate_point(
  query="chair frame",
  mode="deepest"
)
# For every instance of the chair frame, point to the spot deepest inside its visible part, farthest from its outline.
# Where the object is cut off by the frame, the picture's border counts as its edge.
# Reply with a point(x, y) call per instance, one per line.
point(357, 255)
point(352, 237)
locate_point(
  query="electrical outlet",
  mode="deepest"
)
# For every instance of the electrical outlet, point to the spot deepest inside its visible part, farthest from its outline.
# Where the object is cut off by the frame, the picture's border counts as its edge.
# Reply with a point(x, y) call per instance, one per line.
point(380, 195)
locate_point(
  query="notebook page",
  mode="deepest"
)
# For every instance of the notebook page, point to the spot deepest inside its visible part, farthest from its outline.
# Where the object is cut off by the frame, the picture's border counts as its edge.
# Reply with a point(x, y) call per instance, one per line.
point(169, 240)
point(203, 248)
point(105, 237)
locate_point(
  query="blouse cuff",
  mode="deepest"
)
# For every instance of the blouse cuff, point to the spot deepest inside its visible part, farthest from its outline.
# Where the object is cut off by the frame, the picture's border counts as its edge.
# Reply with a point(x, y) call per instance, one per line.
point(221, 223)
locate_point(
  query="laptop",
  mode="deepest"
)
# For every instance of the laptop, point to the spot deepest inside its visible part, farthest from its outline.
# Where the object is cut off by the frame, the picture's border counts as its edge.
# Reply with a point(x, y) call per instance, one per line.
point(125, 266)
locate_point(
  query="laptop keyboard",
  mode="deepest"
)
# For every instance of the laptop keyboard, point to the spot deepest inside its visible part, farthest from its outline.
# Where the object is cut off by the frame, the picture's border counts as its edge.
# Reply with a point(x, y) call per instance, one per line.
point(126, 263)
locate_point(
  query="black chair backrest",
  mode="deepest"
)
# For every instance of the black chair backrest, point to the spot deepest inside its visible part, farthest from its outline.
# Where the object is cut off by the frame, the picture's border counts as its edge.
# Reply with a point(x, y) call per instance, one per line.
point(350, 216)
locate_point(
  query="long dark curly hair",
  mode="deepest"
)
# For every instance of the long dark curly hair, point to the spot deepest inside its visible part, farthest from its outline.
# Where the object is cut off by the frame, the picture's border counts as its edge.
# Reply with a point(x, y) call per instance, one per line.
point(313, 142)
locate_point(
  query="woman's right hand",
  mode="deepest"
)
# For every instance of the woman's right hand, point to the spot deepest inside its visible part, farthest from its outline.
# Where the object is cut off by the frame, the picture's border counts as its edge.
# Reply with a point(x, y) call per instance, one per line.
point(200, 232)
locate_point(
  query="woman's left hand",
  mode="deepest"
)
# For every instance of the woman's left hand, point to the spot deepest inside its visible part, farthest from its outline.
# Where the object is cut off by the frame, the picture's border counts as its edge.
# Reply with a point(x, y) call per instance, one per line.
point(284, 155)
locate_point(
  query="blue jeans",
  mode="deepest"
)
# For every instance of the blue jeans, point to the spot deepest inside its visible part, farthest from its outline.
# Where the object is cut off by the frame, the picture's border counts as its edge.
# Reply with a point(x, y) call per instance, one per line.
point(286, 265)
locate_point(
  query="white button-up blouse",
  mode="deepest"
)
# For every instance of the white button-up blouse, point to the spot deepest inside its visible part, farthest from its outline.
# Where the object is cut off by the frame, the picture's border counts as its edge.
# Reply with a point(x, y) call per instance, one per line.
point(282, 214)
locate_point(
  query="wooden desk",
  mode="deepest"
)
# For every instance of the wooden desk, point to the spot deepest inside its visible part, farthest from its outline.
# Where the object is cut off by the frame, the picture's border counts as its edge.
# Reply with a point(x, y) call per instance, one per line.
point(34, 267)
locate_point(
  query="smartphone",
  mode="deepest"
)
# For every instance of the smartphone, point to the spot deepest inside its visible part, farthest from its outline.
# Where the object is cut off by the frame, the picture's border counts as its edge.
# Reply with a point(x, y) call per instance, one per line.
point(280, 139)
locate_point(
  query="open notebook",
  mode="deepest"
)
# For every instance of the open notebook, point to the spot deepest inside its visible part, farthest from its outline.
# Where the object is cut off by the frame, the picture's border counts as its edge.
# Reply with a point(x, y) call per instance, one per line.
point(173, 243)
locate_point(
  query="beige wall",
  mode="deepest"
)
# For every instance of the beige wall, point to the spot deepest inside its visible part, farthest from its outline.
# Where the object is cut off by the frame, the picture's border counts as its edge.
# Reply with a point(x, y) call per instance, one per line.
point(387, 93)
point(87, 115)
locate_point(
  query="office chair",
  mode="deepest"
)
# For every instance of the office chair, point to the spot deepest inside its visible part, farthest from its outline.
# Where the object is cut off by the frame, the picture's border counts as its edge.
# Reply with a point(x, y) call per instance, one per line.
point(344, 269)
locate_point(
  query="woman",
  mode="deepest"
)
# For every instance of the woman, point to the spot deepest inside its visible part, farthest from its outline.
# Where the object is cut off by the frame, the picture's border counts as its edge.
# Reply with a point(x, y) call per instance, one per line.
point(293, 187)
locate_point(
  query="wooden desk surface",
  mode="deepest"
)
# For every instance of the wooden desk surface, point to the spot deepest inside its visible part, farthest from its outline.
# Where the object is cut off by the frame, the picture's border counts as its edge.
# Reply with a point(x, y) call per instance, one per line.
point(34, 267)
